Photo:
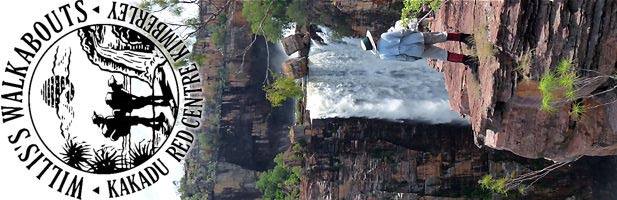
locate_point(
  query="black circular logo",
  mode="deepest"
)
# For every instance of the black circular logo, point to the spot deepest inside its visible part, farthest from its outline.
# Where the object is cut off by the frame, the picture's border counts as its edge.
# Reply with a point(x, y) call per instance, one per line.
point(99, 100)
point(108, 99)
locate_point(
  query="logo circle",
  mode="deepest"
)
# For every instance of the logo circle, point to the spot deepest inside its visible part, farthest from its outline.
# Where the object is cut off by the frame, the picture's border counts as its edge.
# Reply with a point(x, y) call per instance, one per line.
point(106, 99)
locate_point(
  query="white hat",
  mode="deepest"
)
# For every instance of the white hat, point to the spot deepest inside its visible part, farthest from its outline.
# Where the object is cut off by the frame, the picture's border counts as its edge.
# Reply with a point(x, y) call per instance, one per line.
point(368, 43)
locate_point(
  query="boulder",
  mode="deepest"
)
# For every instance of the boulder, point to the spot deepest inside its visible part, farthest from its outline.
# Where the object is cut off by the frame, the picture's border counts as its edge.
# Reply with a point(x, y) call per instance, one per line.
point(295, 67)
point(293, 43)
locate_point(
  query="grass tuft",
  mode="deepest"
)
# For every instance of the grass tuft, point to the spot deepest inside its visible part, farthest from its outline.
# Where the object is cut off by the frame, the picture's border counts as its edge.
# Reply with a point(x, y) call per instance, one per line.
point(566, 81)
point(486, 181)
point(570, 94)
point(140, 154)
point(564, 67)
point(106, 161)
point(578, 109)
point(562, 79)
point(484, 47)
point(500, 186)
point(547, 105)
point(524, 64)
point(75, 153)
point(522, 191)
point(548, 83)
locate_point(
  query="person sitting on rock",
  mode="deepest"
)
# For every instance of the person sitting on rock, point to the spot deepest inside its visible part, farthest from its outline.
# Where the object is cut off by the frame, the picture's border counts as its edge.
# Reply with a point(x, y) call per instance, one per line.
point(119, 124)
point(408, 44)
point(120, 99)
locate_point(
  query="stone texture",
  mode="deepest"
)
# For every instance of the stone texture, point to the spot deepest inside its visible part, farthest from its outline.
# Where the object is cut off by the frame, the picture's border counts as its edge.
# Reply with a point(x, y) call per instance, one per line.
point(502, 106)
point(233, 181)
point(251, 132)
point(376, 159)
point(293, 43)
point(295, 67)
point(354, 17)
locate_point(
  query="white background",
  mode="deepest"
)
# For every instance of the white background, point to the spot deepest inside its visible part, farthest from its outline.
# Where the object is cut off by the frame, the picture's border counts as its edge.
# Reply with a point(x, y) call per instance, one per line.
point(16, 182)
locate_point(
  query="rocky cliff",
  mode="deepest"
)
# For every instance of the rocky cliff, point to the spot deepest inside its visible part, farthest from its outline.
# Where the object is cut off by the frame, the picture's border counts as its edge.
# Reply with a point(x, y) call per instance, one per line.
point(354, 17)
point(375, 159)
point(517, 43)
point(251, 131)
point(364, 159)
point(241, 133)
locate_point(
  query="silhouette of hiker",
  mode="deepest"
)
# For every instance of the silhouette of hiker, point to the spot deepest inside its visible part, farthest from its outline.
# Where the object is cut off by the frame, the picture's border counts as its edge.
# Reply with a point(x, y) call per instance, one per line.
point(120, 99)
point(120, 124)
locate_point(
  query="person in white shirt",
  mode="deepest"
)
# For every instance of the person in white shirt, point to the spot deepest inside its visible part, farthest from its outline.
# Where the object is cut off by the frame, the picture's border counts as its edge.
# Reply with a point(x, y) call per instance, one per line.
point(408, 44)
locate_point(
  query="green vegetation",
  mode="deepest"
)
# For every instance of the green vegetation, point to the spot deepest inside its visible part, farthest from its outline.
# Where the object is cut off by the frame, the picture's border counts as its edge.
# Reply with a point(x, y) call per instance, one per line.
point(337, 23)
point(269, 17)
point(297, 12)
point(199, 59)
point(496, 185)
point(501, 186)
point(282, 182)
point(200, 164)
point(219, 31)
point(281, 89)
point(296, 147)
point(484, 47)
point(412, 7)
point(516, 184)
point(547, 85)
point(561, 85)
point(298, 114)
point(578, 108)
point(194, 184)
point(175, 7)
point(524, 64)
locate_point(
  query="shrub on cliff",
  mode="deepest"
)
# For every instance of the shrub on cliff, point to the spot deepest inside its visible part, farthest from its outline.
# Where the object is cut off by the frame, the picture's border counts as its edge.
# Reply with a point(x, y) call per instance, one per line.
point(281, 89)
point(564, 85)
point(517, 184)
point(558, 84)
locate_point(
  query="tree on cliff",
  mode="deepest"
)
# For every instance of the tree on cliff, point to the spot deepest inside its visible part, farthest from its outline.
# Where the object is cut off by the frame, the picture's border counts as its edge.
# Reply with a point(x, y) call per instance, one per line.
point(282, 182)
point(189, 25)
point(412, 8)
point(269, 17)
point(281, 89)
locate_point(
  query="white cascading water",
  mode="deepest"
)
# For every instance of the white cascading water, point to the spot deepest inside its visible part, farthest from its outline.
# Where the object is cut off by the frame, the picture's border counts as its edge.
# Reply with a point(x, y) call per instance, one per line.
point(345, 81)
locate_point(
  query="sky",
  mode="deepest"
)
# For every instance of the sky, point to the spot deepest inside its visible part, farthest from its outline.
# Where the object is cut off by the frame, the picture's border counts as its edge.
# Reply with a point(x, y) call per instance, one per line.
point(16, 181)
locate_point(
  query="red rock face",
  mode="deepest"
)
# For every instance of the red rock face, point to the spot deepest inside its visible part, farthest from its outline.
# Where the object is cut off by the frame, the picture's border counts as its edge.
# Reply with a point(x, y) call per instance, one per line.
point(503, 107)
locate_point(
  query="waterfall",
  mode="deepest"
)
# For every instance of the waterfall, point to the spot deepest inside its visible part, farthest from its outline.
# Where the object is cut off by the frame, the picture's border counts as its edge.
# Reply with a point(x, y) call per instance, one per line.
point(345, 81)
